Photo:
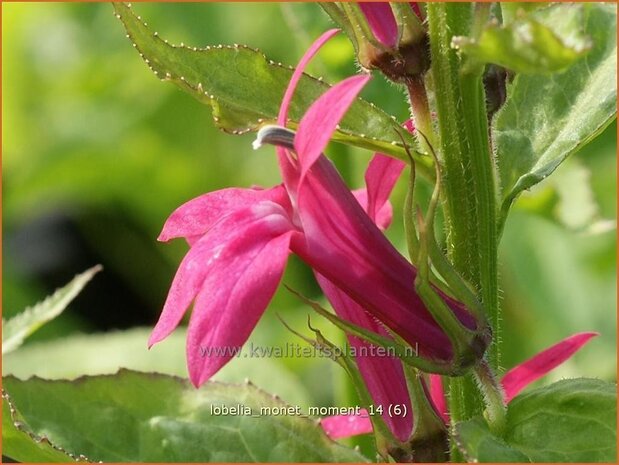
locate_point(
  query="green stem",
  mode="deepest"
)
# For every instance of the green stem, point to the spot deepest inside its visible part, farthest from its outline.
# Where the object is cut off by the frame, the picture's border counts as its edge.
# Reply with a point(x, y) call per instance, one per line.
point(469, 179)
point(420, 108)
point(493, 396)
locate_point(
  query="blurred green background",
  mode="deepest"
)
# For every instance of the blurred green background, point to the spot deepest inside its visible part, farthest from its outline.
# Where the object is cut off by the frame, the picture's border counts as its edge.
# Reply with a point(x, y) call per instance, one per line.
point(97, 153)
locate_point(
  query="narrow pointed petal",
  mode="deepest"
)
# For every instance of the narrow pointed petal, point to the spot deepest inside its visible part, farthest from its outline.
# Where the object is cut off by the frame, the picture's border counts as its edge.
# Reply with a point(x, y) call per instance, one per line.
point(383, 375)
point(345, 426)
point(437, 394)
point(288, 167)
point(298, 72)
point(320, 121)
point(206, 254)
point(195, 217)
point(380, 178)
point(241, 281)
point(516, 379)
point(382, 22)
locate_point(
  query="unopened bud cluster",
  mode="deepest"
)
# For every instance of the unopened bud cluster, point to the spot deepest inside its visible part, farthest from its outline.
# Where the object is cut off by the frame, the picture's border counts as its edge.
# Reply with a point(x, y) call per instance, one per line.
point(390, 37)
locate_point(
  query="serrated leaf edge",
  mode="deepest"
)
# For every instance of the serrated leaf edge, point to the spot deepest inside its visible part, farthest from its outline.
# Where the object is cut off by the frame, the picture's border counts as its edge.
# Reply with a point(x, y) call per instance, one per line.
point(72, 288)
point(20, 426)
point(314, 422)
point(197, 88)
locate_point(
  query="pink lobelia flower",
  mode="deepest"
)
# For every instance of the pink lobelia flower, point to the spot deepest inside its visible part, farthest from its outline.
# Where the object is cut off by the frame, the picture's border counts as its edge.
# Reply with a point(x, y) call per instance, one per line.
point(513, 382)
point(240, 240)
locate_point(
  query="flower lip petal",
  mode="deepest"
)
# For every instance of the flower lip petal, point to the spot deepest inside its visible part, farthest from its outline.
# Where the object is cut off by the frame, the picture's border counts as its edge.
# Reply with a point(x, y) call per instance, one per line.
point(298, 73)
point(321, 119)
point(516, 379)
point(202, 257)
point(198, 215)
point(344, 426)
point(233, 298)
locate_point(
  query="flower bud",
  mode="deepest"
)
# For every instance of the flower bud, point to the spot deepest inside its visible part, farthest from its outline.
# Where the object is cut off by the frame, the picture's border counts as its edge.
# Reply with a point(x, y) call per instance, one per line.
point(387, 36)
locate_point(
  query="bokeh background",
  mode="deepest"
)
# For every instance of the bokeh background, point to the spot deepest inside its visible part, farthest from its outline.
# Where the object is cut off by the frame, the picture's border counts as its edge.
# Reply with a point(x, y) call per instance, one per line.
point(97, 153)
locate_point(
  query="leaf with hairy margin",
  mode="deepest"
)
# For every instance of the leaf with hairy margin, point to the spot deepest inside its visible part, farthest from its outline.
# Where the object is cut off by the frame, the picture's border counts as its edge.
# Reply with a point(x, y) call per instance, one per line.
point(245, 89)
point(17, 329)
point(147, 417)
point(547, 118)
point(573, 420)
point(524, 46)
point(19, 441)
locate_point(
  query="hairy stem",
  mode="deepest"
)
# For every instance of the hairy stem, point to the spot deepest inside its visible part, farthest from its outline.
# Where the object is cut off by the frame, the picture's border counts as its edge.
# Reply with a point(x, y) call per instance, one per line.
point(420, 108)
point(469, 199)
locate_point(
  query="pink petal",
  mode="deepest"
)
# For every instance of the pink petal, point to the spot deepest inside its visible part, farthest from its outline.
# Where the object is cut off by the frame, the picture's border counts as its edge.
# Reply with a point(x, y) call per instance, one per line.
point(237, 228)
point(409, 125)
point(383, 216)
point(380, 178)
point(362, 197)
point(381, 21)
point(437, 394)
point(320, 121)
point(243, 274)
point(233, 298)
point(288, 167)
point(383, 375)
point(417, 10)
point(298, 72)
point(344, 426)
point(516, 379)
point(195, 217)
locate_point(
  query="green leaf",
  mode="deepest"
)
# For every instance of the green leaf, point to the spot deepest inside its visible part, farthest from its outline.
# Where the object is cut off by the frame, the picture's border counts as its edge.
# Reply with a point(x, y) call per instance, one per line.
point(245, 89)
point(547, 118)
point(526, 46)
point(512, 10)
point(97, 354)
point(574, 420)
point(18, 328)
point(19, 441)
point(567, 198)
point(141, 417)
point(478, 444)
